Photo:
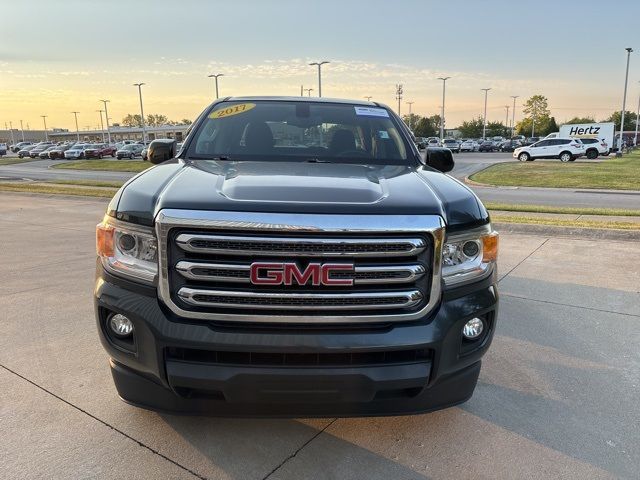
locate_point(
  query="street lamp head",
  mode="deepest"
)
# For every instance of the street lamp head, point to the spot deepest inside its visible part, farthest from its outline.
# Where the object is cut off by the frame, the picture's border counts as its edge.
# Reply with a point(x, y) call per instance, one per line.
point(138, 84)
point(216, 75)
point(629, 49)
point(444, 79)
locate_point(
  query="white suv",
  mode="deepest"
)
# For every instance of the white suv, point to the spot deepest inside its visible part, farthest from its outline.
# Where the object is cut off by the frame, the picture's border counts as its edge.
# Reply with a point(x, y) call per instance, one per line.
point(595, 147)
point(565, 149)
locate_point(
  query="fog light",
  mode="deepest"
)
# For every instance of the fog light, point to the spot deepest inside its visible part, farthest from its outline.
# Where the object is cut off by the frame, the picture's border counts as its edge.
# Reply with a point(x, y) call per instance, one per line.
point(473, 328)
point(120, 325)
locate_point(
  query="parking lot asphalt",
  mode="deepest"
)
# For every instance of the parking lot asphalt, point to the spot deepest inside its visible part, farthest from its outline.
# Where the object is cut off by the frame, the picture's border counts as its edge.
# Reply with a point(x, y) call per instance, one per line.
point(557, 396)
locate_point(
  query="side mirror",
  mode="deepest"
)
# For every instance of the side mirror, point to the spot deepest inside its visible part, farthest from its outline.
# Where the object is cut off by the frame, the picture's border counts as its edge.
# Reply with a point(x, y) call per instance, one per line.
point(440, 158)
point(161, 150)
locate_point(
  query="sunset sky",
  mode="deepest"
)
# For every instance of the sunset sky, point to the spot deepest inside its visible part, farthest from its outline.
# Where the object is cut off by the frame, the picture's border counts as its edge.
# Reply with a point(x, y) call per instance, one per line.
point(61, 56)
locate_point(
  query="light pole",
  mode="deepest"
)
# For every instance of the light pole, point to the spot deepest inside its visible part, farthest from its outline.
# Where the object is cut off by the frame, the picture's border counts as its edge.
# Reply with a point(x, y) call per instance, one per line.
point(506, 122)
point(11, 132)
point(368, 97)
point(106, 117)
point(22, 130)
point(308, 90)
point(302, 90)
point(513, 115)
point(484, 121)
point(144, 130)
point(101, 125)
point(319, 64)
point(410, 118)
point(216, 75)
point(624, 101)
point(444, 83)
point(44, 119)
point(75, 114)
point(635, 138)
point(399, 95)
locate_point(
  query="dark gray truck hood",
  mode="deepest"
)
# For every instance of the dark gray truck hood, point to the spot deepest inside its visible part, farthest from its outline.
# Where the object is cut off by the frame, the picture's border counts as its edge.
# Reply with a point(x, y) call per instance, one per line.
point(293, 187)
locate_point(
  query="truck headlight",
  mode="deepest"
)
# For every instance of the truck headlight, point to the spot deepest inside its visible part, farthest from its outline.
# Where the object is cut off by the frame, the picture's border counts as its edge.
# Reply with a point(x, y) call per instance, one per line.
point(469, 256)
point(127, 249)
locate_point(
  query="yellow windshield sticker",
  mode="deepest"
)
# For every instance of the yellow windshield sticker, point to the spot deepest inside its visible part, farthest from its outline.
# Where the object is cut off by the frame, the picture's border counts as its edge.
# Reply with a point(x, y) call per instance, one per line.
point(232, 110)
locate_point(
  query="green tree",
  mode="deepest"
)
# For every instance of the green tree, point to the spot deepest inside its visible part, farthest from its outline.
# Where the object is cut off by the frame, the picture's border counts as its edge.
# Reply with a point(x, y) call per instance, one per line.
point(537, 118)
point(496, 129)
point(411, 120)
point(132, 120)
point(629, 120)
point(424, 128)
point(185, 121)
point(435, 121)
point(155, 120)
point(550, 127)
point(471, 128)
point(576, 120)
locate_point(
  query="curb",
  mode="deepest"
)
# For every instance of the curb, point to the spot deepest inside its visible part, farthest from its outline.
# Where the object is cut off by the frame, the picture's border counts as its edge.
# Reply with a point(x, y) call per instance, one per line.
point(558, 231)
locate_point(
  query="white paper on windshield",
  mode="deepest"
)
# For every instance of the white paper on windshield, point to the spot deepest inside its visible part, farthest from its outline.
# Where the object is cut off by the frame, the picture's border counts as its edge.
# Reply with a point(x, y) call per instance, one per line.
point(371, 112)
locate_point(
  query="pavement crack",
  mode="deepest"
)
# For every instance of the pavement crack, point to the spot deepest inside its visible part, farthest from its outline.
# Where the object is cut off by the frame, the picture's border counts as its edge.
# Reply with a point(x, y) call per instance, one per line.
point(293, 455)
point(143, 445)
point(524, 259)
point(569, 305)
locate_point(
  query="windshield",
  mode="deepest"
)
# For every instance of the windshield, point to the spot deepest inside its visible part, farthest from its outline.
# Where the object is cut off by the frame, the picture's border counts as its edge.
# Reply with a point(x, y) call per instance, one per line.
point(273, 130)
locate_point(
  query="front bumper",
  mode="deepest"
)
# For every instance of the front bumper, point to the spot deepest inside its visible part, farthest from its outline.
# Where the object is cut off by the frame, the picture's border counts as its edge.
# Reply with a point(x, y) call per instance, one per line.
point(147, 373)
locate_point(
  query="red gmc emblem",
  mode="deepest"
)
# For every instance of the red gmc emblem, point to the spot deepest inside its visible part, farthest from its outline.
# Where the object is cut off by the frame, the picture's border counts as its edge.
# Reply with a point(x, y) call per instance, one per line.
point(263, 273)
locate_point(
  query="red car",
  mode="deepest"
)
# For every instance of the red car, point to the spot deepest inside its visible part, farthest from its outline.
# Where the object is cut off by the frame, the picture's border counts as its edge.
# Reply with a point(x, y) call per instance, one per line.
point(99, 150)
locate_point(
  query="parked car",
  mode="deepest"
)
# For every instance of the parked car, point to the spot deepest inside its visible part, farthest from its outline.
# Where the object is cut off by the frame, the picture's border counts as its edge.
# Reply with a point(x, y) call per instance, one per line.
point(3, 149)
point(99, 150)
point(564, 149)
point(130, 151)
point(452, 144)
point(530, 141)
point(487, 146)
point(44, 154)
point(421, 142)
point(76, 152)
point(595, 147)
point(58, 151)
point(34, 152)
point(24, 152)
point(122, 143)
point(19, 146)
point(433, 142)
point(509, 145)
point(469, 146)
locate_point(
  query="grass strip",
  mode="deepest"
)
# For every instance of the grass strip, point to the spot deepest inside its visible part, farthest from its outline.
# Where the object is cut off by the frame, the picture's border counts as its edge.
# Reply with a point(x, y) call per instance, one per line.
point(14, 160)
point(612, 173)
point(567, 210)
point(106, 165)
point(57, 189)
point(561, 222)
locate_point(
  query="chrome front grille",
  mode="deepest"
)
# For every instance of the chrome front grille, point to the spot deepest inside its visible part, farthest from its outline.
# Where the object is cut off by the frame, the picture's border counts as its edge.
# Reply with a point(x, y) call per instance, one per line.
point(206, 257)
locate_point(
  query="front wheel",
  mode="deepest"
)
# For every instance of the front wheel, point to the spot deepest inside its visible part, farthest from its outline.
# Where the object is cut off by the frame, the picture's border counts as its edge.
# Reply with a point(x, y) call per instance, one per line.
point(524, 157)
point(565, 157)
point(99, 156)
point(131, 156)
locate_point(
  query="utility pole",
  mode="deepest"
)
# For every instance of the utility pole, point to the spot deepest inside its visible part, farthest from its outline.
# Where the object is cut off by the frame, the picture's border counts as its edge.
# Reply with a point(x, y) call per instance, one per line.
point(368, 97)
point(75, 114)
point(624, 101)
point(308, 90)
point(106, 117)
point(101, 125)
point(410, 118)
point(22, 130)
point(444, 83)
point(46, 135)
point(302, 90)
point(484, 122)
point(216, 75)
point(11, 133)
point(506, 122)
point(513, 115)
point(144, 130)
point(399, 95)
point(319, 64)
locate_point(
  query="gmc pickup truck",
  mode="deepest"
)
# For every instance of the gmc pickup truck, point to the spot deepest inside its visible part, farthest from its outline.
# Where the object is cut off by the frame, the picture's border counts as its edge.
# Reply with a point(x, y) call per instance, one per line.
point(296, 257)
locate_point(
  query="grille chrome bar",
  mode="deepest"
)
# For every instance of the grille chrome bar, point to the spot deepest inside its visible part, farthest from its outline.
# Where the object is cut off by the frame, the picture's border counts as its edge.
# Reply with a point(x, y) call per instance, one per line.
point(296, 225)
point(307, 247)
point(239, 273)
point(299, 301)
